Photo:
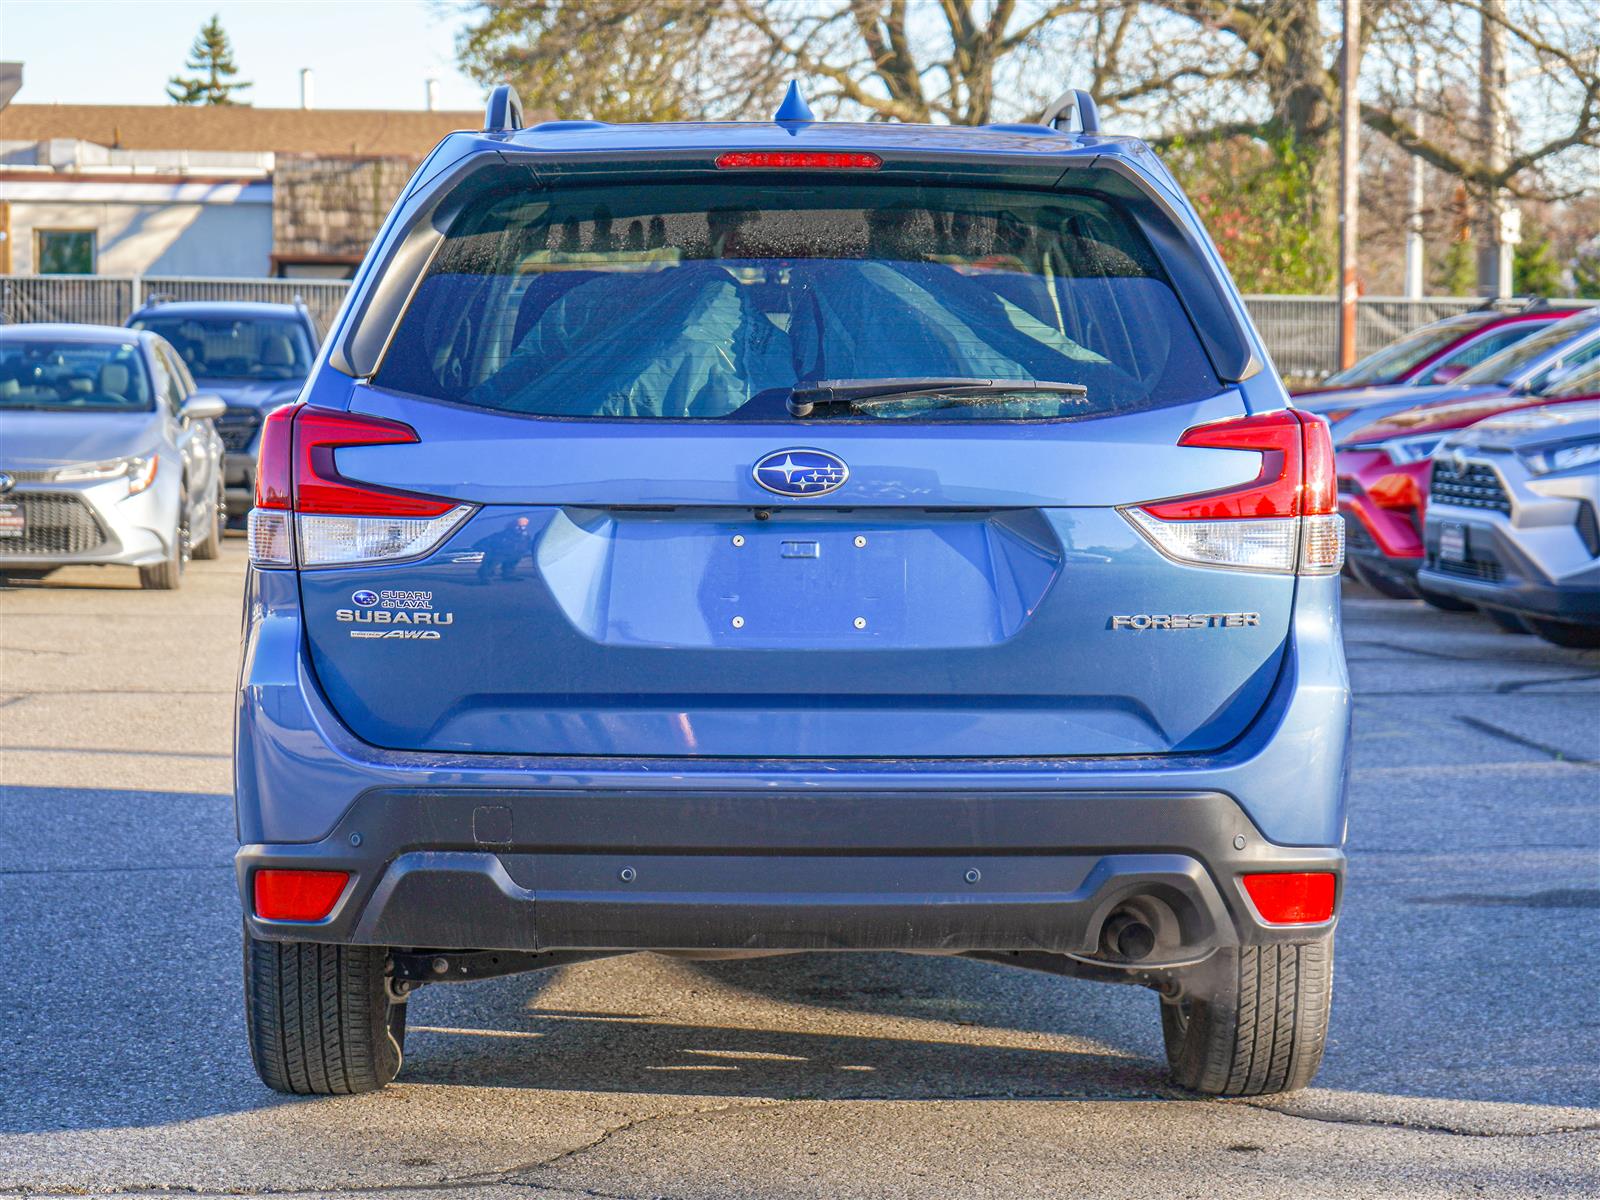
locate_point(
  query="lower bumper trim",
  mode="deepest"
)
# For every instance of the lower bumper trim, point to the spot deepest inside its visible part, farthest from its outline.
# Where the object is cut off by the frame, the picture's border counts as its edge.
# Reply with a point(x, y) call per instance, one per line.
point(764, 871)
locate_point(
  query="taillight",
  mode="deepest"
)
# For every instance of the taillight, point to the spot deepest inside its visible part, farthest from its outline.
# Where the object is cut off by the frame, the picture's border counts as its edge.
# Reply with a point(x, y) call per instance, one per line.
point(1284, 520)
point(336, 520)
point(797, 160)
point(1293, 897)
point(272, 460)
point(295, 895)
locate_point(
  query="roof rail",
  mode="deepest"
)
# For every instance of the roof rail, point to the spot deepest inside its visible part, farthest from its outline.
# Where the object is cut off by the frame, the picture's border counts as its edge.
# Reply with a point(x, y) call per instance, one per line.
point(1514, 304)
point(504, 112)
point(1058, 113)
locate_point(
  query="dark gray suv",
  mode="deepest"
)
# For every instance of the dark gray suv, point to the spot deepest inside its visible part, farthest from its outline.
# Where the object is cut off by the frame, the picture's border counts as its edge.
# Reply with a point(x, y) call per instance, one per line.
point(255, 356)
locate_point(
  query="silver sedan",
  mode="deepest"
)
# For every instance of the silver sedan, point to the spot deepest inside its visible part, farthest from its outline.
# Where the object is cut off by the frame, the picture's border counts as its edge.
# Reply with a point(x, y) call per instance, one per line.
point(108, 454)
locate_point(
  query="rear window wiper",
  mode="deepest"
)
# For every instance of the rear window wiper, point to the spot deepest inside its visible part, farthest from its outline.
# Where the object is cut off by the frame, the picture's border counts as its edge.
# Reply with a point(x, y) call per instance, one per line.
point(806, 398)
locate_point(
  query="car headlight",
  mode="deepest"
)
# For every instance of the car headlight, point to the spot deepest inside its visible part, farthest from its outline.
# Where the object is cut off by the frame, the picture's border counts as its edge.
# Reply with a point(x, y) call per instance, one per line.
point(1402, 450)
point(1563, 458)
point(138, 470)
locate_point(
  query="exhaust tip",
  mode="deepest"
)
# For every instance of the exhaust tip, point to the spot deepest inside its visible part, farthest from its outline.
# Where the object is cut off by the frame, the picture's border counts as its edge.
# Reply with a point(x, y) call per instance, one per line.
point(1128, 936)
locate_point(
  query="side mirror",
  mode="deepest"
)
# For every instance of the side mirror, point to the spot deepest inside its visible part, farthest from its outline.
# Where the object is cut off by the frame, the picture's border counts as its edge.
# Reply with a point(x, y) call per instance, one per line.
point(202, 406)
point(1447, 374)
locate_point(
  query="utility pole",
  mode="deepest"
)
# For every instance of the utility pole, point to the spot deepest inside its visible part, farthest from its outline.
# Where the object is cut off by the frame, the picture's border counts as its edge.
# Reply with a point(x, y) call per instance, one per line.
point(1501, 225)
point(1349, 179)
point(1416, 266)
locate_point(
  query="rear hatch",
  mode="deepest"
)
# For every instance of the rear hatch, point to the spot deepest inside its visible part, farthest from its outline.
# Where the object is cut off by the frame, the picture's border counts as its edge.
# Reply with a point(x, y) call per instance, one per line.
point(649, 546)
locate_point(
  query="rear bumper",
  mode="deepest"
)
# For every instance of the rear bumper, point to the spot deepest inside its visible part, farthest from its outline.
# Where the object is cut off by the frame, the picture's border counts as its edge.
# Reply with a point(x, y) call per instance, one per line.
point(479, 851)
point(1382, 534)
point(763, 870)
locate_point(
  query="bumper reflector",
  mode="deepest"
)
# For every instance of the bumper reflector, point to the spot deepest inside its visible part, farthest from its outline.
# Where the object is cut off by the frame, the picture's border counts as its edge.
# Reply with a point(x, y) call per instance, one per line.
point(284, 895)
point(1292, 898)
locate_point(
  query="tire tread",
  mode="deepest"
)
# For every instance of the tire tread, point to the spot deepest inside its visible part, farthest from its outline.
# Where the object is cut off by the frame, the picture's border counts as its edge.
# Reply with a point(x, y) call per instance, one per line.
point(1264, 1030)
point(318, 1017)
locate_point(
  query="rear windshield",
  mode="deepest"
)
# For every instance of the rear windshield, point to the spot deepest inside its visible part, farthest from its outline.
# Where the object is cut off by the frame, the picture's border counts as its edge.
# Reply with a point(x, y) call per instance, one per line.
point(266, 348)
point(689, 300)
point(69, 376)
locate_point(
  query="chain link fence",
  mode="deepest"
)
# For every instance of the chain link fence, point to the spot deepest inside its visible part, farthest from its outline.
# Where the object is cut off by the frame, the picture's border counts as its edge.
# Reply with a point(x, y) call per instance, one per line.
point(110, 299)
point(1301, 332)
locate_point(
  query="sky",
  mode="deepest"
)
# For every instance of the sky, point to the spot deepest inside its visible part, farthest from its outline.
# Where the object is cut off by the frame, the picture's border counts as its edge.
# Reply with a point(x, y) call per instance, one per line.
point(365, 53)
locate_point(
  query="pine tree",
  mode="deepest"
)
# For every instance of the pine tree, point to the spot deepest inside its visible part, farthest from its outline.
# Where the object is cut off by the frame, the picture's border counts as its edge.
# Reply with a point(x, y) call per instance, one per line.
point(1535, 269)
point(213, 55)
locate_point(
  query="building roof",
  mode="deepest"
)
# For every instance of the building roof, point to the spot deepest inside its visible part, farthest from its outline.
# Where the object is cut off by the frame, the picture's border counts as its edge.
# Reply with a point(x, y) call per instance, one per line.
point(332, 131)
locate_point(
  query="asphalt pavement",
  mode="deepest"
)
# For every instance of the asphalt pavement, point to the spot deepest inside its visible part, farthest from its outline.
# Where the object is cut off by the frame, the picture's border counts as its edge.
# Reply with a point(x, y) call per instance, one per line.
point(1464, 1060)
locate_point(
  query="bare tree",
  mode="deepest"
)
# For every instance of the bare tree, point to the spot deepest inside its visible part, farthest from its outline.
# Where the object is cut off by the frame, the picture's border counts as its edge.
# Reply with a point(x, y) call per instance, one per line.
point(1241, 94)
point(905, 60)
point(619, 60)
point(1285, 48)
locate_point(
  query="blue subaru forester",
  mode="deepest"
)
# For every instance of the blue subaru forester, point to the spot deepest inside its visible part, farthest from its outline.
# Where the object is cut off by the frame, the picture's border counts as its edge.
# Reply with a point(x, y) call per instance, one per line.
point(739, 538)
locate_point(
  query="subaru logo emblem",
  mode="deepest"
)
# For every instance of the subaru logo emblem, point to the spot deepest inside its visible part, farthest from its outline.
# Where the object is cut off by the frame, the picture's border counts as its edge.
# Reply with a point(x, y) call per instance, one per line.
point(801, 472)
point(7, 482)
point(365, 598)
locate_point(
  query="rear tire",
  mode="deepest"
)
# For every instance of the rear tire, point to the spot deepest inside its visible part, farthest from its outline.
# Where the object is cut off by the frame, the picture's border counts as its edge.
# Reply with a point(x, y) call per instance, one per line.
point(1264, 1027)
point(1563, 633)
point(210, 546)
point(320, 1018)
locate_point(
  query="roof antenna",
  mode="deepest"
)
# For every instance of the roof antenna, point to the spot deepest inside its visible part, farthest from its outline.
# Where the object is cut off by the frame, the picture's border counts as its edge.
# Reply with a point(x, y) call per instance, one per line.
point(794, 107)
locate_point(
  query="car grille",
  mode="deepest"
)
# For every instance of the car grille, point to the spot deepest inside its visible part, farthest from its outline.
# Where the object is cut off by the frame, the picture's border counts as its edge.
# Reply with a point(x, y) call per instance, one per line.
point(238, 428)
point(1475, 485)
point(55, 523)
point(1482, 569)
point(20, 476)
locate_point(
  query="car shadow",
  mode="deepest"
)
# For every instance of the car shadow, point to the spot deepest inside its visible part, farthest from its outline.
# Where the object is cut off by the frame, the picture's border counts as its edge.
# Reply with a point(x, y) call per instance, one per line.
point(95, 579)
point(923, 1028)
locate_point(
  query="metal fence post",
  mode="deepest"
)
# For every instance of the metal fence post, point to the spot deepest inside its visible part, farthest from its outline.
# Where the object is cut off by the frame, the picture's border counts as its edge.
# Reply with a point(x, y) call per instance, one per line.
point(137, 294)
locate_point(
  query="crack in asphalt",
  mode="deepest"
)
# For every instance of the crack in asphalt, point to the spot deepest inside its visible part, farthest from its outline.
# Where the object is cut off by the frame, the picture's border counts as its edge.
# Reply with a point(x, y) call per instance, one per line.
point(1413, 1127)
point(504, 1177)
point(1512, 686)
point(1395, 648)
point(520, 1175)
point(632, 1123)
point(1516, 739)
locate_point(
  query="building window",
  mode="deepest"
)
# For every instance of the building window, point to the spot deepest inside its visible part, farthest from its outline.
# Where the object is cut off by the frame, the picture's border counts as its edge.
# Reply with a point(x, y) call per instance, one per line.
point(63, 251)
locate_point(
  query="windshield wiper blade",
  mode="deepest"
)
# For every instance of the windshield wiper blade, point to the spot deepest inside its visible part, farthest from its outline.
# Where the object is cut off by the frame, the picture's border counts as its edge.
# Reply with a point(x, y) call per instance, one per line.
point(805, 398)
